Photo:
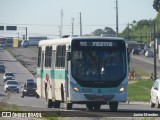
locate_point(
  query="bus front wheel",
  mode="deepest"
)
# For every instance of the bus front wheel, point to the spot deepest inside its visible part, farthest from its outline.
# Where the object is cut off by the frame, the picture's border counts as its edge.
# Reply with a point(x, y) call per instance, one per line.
point(49, 103)
point(68, 106)
point(113, 106)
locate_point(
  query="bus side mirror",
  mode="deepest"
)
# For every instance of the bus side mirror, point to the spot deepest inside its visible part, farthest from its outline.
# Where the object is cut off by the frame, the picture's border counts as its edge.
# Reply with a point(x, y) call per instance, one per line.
point(68, 56)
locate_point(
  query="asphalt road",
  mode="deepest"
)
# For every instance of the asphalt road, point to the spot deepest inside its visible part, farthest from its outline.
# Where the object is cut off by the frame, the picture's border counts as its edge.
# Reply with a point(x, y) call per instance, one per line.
point(22, 74)
point(145, 63)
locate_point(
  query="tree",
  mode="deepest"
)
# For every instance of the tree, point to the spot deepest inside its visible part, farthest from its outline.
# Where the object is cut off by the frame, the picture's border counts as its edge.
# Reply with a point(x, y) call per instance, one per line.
point(156, 5)
point(97, 32)
point(108, 32)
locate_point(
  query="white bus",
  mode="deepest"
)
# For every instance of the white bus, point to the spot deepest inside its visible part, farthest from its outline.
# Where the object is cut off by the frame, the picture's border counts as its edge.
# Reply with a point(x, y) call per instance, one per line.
point(83, 70)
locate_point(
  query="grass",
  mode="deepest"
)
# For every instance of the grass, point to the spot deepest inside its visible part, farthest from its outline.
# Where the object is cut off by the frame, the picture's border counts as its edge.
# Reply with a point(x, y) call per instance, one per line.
point(8, 107)
point(141, 72)
point(140, 90)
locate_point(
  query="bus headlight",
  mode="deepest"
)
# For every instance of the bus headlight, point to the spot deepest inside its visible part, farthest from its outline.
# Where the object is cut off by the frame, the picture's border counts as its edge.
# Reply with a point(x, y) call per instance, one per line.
point(25, 90)
point(75, 88)
point(122, 89)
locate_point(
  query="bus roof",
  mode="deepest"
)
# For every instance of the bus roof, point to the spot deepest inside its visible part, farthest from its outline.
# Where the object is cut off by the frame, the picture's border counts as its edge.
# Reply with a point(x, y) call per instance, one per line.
point(69, 39)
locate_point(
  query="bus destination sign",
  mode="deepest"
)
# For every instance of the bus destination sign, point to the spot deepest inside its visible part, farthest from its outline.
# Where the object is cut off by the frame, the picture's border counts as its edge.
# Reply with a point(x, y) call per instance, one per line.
point(97, 44)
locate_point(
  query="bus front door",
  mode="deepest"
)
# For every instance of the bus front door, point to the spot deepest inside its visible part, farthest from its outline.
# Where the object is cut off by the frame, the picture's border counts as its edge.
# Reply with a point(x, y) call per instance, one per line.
point(41, 75)
point(67, 75)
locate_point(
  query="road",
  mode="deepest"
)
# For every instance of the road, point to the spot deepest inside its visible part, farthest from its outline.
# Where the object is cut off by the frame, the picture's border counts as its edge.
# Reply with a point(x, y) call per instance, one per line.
point(22, 74)
point(145, 63)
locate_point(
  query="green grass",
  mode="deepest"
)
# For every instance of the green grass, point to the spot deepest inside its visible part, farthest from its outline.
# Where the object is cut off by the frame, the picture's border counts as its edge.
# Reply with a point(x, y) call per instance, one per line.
point(8, 107)
point(140, 90)
point(141, 72)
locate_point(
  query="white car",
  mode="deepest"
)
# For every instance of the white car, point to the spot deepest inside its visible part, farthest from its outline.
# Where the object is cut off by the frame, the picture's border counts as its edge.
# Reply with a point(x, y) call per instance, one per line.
point(149, 53)
point(155, 94)
point(8, 76)
point(11, 85)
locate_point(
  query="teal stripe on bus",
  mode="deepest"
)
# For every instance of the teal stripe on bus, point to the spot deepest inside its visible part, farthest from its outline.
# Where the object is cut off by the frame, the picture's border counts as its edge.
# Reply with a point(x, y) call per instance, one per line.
point(53, 74)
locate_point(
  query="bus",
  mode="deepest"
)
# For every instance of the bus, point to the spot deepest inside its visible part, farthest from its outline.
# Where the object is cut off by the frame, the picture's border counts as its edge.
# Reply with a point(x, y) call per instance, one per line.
point(83, 70)
point(2, 42)
point(131, 45)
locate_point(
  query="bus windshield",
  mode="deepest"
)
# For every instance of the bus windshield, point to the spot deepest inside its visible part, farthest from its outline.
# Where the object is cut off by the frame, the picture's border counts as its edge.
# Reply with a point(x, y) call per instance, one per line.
point(100, 62)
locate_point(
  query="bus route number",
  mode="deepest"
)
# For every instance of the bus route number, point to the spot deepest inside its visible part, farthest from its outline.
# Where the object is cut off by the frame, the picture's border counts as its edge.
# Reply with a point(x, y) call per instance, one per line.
point(96, 44)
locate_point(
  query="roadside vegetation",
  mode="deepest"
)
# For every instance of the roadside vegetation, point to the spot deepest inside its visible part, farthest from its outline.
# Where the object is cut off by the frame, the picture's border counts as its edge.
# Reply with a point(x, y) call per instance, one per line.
point(139, 88)
point(8, 107)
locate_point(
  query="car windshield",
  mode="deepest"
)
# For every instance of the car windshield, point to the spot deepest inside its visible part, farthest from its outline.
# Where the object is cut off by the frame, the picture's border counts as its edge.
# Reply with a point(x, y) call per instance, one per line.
point(30, 80)
point(150, 52)
point(30, 84)
point(1, 66)
point(9, 74)
point(12, 82)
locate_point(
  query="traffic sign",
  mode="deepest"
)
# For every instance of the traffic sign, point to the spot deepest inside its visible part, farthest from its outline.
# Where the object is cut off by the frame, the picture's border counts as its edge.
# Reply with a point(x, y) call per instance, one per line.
point(11, 27)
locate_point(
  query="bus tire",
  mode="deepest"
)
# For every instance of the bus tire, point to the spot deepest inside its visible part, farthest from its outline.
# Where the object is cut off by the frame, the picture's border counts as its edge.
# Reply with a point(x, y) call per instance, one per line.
point(57, 104)
point(113, 106)
point(89, 106)
point(49, 103)
point(62, 93)
point(68, 106)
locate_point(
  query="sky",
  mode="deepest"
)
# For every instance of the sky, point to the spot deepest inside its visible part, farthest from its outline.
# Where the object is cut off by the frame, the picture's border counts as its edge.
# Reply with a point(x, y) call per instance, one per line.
point(43, 17)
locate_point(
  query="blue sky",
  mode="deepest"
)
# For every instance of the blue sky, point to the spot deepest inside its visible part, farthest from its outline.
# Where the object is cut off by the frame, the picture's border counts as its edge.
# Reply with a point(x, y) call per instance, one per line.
point(42, 17)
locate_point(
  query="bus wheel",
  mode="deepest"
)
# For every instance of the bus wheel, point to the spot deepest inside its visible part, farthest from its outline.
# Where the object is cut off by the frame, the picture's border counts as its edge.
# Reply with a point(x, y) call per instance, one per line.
point(57, 104)
point(97, 106)
point(49, 103)
point(68, 106)
point(62, 93)
point(113, 106)
point(89, 106)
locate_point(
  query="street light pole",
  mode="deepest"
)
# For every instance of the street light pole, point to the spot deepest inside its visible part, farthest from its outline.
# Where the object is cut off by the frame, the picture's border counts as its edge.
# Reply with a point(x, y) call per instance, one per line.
point(80, 24)
point(155, 66)
point(26, 32)
point(116, 18)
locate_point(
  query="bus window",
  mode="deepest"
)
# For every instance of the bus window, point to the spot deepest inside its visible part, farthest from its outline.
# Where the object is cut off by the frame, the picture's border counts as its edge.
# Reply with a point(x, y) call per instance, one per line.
point(100, 63)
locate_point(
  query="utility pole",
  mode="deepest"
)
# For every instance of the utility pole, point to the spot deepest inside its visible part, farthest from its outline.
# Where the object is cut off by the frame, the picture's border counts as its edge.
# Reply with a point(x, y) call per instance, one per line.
point(18, 36)
point(61, 29)
point(128, 32)
point(80, 25)
point(26, 33)
point(155, 62)
point(116, 18)
point(72, 26)
point(140, 31)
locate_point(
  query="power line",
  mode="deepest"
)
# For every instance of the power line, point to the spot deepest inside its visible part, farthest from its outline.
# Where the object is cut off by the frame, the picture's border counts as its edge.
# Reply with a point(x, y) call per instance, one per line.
point(50, 25)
